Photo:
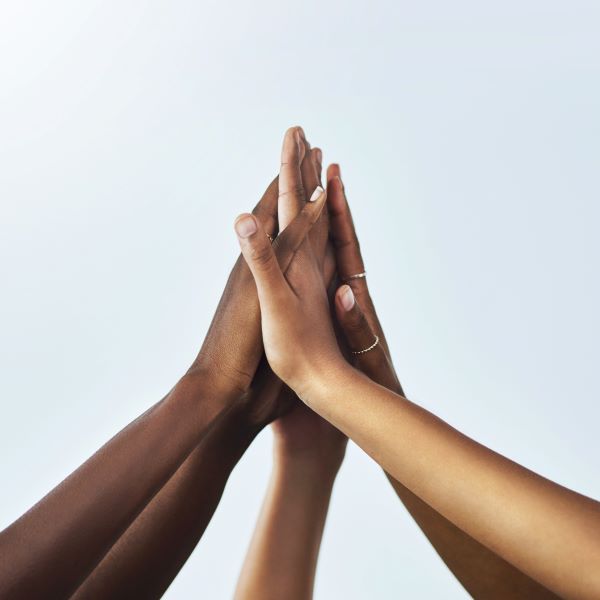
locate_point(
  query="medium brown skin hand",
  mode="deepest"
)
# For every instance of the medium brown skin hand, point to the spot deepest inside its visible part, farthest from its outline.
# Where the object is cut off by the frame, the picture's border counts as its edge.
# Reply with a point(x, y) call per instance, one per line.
point(308, 451)
point(545, 530)
point(56, 544)
point(482, 573)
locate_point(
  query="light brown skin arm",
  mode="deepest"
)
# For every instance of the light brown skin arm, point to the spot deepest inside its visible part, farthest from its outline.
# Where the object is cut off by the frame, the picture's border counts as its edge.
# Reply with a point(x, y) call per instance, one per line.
point(282, 558)
point(482, 573)
point(550, 533)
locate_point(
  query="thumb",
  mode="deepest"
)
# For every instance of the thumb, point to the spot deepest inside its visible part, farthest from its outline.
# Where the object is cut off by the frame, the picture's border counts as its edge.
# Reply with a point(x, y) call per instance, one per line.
point(362, 340)
point(260, 257)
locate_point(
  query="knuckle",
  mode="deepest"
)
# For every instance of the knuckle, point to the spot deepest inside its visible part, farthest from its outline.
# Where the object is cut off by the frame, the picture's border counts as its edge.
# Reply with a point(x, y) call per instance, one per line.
point(356, 322)
point(261, 254)
point(296, 189)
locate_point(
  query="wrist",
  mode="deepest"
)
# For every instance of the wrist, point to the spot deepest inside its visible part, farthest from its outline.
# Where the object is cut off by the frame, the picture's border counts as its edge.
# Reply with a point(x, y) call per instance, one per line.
point(316, 386)
point(208, 394)
point(306, 469)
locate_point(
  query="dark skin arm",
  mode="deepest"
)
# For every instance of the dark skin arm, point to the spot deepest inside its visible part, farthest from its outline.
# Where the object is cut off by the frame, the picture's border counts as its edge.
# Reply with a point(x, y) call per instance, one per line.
point(148, 556)
point(50, 550)
point(481, 572)
point(151, 552)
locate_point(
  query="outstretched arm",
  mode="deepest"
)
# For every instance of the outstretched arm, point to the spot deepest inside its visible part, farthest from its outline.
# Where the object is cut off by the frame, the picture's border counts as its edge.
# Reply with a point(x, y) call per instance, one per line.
point(54, 546)
point(148, 556)
point(482, 573)
point(282, 558)
point(549, 532)
point(151, 552)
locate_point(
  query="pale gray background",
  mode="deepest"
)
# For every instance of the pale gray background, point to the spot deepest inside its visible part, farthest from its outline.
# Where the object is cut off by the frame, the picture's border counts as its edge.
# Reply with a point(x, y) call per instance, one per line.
point(132, 134)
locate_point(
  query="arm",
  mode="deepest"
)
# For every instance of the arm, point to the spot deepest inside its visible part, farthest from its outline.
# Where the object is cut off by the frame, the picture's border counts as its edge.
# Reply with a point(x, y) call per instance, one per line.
point(48, 551)
point(148, 556)
point(482, 573)
point(282, 558)
point(550, 533)
point(156, 545)
point(56, 544)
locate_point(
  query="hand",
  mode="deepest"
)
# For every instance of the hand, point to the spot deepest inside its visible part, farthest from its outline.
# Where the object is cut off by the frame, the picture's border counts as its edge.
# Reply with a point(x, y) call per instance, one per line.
point(297, 330)
point(354, 308)
point(232, 349)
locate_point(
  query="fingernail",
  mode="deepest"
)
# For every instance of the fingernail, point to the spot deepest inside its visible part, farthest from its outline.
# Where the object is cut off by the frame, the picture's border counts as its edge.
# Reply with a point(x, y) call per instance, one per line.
point(347, 298)
point(319, 155)
point(316, 194)
point(245, 226)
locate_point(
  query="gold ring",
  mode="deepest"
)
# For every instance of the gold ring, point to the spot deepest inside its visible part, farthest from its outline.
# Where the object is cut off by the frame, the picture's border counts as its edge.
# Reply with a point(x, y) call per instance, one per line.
point(373, 345)
point(357, 276)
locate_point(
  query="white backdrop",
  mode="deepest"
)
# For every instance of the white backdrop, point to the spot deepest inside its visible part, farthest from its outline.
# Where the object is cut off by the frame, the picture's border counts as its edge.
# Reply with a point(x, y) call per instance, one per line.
point(132, 134)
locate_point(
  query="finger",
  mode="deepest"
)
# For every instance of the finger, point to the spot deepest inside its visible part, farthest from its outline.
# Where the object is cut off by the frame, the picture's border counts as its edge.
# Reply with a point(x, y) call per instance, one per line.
point(320, 233)
point(289, 241)
point(318, 157)
point(368, 352)
point(260, 258)
point(363, 342)
point(347, 248)
point(266, 209)
point(343, 234)
point(291, 189)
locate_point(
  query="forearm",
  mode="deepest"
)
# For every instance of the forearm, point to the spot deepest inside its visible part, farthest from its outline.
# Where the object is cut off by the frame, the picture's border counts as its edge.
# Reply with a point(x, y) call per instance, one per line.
point(282, 557)
point(481, 572)
point(545, 530)
point(148, 556)
point(55, 545)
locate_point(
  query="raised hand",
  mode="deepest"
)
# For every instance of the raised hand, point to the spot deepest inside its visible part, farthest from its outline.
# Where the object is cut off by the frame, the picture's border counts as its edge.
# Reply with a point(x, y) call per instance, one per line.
point(483, 573)
point(296, 325)
point(149, 554)
point(44, 552)
point(520, 516)
point(233, 347)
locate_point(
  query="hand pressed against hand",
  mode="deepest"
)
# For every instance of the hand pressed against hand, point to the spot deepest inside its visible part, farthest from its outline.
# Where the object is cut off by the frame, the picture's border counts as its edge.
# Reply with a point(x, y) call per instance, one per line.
point(300, 175)
point(232, 350)
point(296, 324)
point(302, 435)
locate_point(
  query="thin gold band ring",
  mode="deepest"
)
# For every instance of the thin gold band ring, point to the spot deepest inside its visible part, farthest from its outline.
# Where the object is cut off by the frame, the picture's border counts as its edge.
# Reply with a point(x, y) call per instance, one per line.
point(373, 345)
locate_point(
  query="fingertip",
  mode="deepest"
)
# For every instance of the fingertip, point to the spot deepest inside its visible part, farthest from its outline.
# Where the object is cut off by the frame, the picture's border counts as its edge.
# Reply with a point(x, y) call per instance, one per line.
point(245, 225)
point(318, 154)
point(345, 298)
point(333, 170)
point(301, 132)
point(335, 199)
point(319, 191)
point(293, 144)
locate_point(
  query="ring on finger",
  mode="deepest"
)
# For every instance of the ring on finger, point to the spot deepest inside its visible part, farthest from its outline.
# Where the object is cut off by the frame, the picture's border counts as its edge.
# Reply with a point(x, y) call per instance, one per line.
point(371, 347)
point(356, 276)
